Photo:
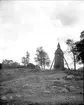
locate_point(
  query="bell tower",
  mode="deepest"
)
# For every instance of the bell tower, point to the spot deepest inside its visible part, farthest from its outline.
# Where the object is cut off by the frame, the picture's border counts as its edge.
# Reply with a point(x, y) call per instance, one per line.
point(59, 58)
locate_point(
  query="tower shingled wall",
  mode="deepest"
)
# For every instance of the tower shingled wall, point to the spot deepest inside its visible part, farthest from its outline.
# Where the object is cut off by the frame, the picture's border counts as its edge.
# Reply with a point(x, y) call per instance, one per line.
point(59, 59)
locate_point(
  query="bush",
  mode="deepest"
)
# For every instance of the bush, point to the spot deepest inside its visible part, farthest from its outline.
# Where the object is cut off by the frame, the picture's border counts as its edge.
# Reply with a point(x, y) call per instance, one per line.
point(74, 72)
point(0, 66)
point(37, 67)
point(31, 66)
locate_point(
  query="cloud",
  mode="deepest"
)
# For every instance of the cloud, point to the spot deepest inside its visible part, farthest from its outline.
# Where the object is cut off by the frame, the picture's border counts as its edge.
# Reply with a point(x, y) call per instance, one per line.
point(68, 14)
point(66, 18)
point(8, 13)
point(15, 18)
point(3, 48)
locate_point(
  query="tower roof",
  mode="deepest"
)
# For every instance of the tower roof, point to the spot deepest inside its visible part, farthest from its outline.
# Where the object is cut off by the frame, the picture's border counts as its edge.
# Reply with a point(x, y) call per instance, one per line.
point(59, 49)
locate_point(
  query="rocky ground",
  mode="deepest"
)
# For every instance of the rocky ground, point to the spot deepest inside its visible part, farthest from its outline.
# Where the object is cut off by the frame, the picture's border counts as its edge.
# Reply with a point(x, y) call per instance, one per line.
point(50, 87)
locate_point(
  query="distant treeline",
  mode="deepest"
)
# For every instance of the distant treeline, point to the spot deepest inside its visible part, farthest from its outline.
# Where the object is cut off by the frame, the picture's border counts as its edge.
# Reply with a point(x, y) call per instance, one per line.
point(10, 66)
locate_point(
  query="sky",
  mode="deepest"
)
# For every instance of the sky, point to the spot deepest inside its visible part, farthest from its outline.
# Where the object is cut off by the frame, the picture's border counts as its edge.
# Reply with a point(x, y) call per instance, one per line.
point(26, 25)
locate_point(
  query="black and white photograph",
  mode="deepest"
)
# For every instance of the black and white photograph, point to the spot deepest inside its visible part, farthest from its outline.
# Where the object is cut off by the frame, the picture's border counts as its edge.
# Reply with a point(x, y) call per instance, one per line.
point(41, 52)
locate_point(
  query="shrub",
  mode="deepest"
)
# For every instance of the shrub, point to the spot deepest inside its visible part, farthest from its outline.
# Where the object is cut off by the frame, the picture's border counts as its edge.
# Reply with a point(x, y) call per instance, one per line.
point(31, 66)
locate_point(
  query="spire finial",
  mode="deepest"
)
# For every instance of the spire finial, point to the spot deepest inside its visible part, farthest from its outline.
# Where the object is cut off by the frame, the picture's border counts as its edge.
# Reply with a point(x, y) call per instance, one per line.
point(58, 46)
point(58, 40)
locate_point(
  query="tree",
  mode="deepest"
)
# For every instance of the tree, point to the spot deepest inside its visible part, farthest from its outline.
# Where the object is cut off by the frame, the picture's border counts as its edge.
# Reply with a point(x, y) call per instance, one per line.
point(10, 64)
point(27, 57)
point(15, 65)
point(82, 35)
point(79, 49)
point(7, 62)
point(71, 49)
point(25, 60)
point(42, 57)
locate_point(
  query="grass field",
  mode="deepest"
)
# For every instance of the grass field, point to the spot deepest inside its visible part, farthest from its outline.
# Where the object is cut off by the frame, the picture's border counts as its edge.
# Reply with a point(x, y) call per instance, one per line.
point(24, 86)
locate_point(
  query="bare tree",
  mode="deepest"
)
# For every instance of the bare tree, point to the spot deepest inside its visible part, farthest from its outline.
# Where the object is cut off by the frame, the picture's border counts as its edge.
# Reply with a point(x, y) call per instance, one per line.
point(71, 50)
point(25, 60)
point(42, 58)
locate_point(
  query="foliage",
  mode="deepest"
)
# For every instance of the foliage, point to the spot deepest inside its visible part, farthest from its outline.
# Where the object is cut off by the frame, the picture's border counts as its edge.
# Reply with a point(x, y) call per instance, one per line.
point(71, 45)
point(71, 49)
point(9, 64)
point(31, 66)
point(42, 57)
point(25, 60)
point(82, 35)
point(37, 67)
point(0, 66)
point(79, 49)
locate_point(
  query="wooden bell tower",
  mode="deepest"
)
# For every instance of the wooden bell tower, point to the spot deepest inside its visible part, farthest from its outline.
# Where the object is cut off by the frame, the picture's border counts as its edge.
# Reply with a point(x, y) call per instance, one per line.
point(59, 58)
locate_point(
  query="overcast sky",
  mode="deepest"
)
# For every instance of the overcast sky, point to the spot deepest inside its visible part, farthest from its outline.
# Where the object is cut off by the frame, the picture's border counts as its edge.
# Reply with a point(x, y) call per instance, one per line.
point(26, 25)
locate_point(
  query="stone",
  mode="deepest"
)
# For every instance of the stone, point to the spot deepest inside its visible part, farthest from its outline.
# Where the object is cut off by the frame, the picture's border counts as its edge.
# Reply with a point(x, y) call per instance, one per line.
point(10, 97)
point(18, 95)
point(54, 86)
point(80, 91)
point(72, 88)
point(58, 78)
point(4, 98)
point(63, 90)
point(77, 78)
point(46, 91)
point(70, 76)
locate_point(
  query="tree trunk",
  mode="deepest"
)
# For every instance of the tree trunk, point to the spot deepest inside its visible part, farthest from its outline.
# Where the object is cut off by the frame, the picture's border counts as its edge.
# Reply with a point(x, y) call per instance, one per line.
point(74, 61)
point(44, 63)
point(83, 66)
point(44, 66)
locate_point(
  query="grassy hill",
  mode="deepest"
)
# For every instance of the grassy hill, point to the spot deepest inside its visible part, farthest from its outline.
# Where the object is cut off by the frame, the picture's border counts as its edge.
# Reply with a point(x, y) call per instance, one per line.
point(26, 87)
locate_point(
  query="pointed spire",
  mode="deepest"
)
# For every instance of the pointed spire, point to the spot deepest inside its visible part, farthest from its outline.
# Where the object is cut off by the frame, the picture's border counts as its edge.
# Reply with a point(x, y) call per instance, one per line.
point(58, 49)
point(58, 46)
